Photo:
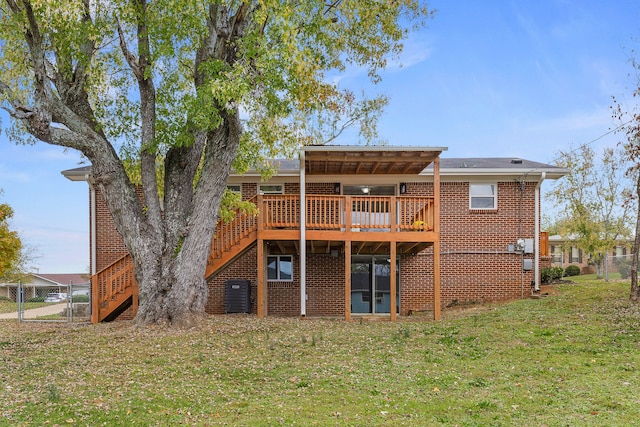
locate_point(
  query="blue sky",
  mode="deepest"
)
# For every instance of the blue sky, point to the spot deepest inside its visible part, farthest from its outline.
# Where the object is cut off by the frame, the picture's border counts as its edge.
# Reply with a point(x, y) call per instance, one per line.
point(486, 79)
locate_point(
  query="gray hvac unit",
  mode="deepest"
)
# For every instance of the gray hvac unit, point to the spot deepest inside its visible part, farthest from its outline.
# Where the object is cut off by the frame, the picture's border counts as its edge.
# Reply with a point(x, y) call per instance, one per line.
point(237, 296)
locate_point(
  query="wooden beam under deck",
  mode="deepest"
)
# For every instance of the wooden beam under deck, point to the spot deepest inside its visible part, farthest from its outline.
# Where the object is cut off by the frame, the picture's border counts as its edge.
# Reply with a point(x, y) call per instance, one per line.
point(371, 236)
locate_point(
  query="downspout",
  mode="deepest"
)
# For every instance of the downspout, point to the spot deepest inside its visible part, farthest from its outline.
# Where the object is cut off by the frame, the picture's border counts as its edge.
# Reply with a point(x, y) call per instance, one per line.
point(537, 233)
point(93, 245)
point(303, 238)
point(92, 219)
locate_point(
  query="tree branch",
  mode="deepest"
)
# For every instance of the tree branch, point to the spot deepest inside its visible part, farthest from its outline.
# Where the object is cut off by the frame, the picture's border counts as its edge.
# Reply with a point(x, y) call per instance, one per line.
point(130, 57)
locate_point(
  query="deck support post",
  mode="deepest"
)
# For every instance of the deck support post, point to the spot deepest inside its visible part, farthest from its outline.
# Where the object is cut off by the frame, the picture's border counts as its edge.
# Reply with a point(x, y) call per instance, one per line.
point(347, 280)
point(303, 238)
point(262, 283)
point(393, 285)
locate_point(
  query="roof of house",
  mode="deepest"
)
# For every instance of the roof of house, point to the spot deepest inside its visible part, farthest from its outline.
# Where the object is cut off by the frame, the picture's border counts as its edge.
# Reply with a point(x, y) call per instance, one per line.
point(493, 165)
point(64, 279)
point(368, 160)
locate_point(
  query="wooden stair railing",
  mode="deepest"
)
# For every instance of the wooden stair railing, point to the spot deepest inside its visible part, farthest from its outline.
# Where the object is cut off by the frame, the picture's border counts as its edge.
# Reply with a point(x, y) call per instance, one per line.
point(232, 238)
point(113, 290)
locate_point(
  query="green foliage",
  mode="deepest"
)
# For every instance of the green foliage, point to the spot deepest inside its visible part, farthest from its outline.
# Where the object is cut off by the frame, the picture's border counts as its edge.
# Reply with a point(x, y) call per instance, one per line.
point(549, 274)
point(36, 299)
point(80, 298)
point(572, 270)
point(10, 244)
point(623, 268)
point(171, 101)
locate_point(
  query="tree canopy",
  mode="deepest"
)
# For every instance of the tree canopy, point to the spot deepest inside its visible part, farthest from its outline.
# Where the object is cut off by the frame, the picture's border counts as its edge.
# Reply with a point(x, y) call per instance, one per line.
point(10, 243)
point(180, 89)
point(590, 200)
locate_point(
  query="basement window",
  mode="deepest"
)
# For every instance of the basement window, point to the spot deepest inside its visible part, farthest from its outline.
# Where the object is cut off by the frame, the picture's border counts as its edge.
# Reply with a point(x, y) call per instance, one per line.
point(483, 196)
point(279, 268)
point(235, 189)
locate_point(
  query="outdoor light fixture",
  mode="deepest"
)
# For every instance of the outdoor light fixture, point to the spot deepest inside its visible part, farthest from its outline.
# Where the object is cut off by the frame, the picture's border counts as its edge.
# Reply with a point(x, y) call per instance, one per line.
point(365, 190)
point(403, 188)
point(336, 188)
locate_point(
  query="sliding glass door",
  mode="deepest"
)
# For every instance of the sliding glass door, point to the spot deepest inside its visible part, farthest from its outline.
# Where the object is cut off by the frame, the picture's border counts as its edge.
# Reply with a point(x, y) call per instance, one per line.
point(371, 284)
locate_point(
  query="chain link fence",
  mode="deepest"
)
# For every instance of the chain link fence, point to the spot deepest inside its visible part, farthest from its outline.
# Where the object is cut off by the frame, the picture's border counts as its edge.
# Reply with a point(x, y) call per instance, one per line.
point(59, 303)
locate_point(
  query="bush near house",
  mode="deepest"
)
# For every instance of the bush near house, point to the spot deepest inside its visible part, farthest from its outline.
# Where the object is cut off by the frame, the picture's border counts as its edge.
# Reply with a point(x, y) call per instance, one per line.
point(624, 267)
point(572, 270)
point(549, 274)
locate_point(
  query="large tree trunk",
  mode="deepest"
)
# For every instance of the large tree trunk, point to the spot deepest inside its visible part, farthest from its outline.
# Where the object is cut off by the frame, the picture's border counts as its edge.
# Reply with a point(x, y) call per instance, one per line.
point(174, 291)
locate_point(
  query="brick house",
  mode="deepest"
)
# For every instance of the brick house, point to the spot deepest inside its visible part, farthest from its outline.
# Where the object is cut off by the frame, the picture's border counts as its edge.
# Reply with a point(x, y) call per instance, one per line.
point(460, 230)
point(565, 252)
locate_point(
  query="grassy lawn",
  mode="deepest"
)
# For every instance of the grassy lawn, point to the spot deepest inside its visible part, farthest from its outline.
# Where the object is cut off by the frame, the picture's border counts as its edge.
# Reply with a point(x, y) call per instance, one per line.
point(570, 358)
point(10, 306)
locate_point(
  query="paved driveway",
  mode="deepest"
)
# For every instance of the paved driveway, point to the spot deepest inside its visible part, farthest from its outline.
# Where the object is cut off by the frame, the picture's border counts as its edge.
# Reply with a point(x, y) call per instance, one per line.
point(37, 312)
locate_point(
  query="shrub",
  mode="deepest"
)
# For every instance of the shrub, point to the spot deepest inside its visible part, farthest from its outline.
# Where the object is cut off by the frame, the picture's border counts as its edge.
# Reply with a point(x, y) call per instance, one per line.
point(572, 270)
point(81, 298)
point(549, 274)
point(36, 299)
point(624, 268)
point(5, 299)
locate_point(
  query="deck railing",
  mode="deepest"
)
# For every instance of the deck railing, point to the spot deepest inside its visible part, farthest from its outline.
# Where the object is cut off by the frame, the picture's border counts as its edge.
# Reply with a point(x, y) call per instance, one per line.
point(230, 233)
point(279, 210)
point(356, 213)
point(110, 282)
point(404, 213)
point(325, 212)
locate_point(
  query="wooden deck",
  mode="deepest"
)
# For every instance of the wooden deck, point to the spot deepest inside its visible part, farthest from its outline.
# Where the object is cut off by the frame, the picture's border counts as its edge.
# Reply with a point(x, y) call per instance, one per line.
point(349, 224)
point(330, 221)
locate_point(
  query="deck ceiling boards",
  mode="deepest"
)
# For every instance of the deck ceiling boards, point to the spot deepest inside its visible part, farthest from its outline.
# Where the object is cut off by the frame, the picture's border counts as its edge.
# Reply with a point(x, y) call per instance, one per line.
point(368, 162)
point(358, 248)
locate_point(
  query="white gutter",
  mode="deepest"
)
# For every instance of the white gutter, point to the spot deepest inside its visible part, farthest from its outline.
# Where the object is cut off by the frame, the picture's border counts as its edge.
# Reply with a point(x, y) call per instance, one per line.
point(537, 232)
point(303, 238)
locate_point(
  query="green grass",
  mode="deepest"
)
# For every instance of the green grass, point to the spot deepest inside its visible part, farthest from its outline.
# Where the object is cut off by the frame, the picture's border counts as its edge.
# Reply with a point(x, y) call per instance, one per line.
point(571, 358)
point(593, 278)
point(10, 306)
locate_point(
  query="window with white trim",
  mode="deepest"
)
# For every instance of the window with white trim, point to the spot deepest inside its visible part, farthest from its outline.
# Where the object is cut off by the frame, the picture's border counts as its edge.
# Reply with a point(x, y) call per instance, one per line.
point(557, 253)
point(235, 188)
point(279, 268)
point(270, 189)
point(576, 254)
point(620, 251)
point(483, 196)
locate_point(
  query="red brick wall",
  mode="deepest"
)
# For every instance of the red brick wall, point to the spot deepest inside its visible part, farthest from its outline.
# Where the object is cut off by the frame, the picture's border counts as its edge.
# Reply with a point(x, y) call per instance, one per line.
point(109, 244)
point(475, 263)
point(325, 285)
point(243, 268)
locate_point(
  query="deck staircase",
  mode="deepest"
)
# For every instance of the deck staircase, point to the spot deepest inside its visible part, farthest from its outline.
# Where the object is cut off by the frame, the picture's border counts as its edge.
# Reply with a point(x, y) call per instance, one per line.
point(115, 288)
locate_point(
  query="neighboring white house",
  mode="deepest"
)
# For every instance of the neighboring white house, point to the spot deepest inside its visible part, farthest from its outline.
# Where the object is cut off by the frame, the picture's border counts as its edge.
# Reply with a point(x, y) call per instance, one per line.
point(39, 285)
